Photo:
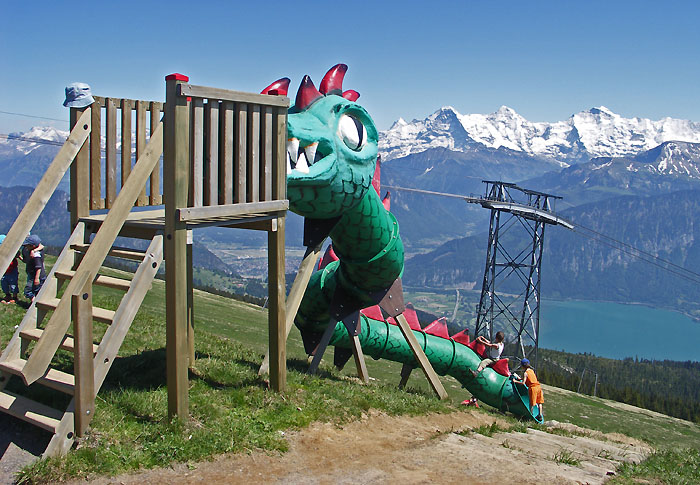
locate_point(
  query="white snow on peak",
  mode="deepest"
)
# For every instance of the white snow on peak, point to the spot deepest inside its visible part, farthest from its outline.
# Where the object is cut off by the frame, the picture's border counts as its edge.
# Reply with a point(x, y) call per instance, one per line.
point(597, 132)
point(24, 143)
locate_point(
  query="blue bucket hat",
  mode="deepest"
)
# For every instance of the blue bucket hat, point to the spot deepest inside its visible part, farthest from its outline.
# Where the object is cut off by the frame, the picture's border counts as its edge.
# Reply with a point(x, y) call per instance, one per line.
point(32, 240)
point(525, 362)
point(78, 95)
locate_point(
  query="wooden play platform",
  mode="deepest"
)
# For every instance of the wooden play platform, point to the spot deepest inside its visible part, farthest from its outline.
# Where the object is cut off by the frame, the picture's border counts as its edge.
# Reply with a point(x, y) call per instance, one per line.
point(223, 164)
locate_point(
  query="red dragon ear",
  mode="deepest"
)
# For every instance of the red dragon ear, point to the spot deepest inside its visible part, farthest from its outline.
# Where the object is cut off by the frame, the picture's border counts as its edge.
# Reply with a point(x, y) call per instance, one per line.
point(332, 82)
point(307, 94)
point(351, 95)
point(278, 87)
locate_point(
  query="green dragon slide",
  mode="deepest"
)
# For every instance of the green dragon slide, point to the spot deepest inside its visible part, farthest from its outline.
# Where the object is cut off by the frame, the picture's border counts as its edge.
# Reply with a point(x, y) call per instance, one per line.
point(332, 154)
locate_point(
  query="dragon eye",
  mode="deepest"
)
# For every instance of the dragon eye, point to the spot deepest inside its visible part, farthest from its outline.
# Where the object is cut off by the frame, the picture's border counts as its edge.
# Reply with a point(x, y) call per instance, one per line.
point(352, 132)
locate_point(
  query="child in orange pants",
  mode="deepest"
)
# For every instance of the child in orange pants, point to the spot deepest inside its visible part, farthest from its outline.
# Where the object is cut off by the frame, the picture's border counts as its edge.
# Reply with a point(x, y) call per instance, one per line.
point(534, 388)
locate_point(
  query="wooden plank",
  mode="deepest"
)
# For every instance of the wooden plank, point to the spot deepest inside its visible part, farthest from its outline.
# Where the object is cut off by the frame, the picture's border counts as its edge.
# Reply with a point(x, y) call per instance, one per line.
point(296, 293)
point(253, 153)
point(359, 359)
point(52, 378)
point(155, 197)
point(266, 140)
point(235, 96)
point(211, 149)
point(59, 322)
point(126, 140)
point(141, 109)
point(96, 157)
point(100, 280)
point(67, 344)
point(44, 190)
point(188, 214)
point(276, 308)
point(115, 252)
point(83, 364)
point(176, 181)
point(279, 155)
point(39, 415)
point(111, 154)
point(423, 361)
point(240, 148)
point(80, 172)
point(196, 198)
point(226, 175)
point(190, 301)
point(101, 315)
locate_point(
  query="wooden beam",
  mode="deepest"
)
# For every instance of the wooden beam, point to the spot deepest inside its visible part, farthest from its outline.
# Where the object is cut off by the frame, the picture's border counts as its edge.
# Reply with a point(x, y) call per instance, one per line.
point(322, 345)
point(253, 179)
point(176, 164)
point(44, 190)
point(96, 157)
point(126, 140)
point(111, 154)
point(155, 197)
point(80, 172)
point(421, 357)
point(211, 147)
point(141, 108)
point(187, 214)
point(83, 363)
point(190, 300)
point(276, 307)
point(240, 152)
point(226, 175)
point(235, 96)
point(306, 269)
point(359, 358)
point(196, 196)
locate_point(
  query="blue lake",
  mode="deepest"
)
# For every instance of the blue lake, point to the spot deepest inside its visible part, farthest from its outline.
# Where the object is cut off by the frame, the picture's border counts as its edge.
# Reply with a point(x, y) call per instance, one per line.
point(617, 331)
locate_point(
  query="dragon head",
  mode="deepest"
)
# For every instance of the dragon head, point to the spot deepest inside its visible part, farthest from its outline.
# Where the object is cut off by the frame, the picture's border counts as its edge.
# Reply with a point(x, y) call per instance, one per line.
point(331, 146)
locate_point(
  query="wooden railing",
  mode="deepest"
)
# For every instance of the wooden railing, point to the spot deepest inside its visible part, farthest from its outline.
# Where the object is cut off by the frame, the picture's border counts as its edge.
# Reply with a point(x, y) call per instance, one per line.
point(103, 166)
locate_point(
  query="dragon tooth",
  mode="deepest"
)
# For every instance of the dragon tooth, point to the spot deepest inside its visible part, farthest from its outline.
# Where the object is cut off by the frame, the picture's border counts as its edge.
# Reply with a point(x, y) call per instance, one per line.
point(311, 153)
point(289, 165)
point(293, 148)
point(302, 165)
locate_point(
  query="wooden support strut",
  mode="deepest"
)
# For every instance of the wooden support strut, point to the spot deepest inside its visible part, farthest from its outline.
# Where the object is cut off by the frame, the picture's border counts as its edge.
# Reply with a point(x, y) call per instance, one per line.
point(83, 363)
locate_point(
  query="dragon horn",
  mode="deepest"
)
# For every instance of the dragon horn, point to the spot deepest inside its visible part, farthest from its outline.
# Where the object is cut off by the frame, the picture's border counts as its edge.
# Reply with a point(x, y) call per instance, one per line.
point(332, 82)
point(278, 87)
point(351, 95)
point(307, 94)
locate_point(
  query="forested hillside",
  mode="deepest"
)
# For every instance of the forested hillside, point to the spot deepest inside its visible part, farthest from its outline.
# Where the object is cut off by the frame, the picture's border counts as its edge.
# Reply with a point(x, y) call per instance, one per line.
point(668, 387)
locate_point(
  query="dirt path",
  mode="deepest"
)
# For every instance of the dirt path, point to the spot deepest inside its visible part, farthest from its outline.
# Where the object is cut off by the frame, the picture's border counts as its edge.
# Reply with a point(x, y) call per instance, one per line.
point(408, 450)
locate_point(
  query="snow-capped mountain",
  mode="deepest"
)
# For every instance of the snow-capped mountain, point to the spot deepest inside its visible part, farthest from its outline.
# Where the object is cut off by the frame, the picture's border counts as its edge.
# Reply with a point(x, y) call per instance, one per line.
point(25, 142)
point(597, 132)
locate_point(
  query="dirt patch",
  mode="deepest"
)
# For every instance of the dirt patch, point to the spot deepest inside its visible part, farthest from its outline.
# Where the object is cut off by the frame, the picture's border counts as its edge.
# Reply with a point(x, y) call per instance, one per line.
point(423, 449)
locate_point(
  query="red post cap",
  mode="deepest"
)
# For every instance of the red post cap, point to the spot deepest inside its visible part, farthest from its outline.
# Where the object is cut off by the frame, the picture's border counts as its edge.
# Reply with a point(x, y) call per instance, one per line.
point(177, 77)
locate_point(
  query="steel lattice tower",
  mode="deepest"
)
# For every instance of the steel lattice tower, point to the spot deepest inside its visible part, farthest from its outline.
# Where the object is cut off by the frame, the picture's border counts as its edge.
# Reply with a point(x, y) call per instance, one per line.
point(510, 293)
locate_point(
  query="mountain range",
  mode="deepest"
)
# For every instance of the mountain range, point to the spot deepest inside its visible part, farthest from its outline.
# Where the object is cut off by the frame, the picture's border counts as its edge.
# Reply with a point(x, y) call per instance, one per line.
point(597, 132)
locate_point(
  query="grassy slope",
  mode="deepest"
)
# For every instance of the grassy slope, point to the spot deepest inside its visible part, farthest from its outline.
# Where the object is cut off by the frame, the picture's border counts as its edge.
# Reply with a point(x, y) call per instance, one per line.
point(232, 410)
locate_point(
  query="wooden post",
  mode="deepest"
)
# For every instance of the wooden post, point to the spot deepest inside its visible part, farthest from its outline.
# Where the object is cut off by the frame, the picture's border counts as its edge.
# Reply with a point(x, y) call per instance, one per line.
point(306, 269)
point(79, 177)
point(190, 299)
point(83, 363)
point(176, 182)
point(276, 308)
point(421, 357)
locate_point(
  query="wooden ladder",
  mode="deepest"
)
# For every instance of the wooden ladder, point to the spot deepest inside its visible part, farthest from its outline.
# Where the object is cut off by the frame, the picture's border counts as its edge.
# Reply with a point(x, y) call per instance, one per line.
point(92, 360)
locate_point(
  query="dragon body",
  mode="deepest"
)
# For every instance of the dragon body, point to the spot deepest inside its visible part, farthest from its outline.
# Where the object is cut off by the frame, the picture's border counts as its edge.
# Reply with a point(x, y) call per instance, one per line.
point(332, 155)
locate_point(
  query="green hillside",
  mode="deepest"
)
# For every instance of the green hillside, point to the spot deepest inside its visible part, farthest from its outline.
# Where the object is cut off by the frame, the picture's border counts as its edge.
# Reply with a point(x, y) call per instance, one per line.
point(232, 410)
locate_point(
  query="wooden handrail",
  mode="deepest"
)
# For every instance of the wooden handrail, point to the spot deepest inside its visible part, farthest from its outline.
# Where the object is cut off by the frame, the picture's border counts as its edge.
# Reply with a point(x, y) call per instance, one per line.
point(45, 189)
point(59, 322)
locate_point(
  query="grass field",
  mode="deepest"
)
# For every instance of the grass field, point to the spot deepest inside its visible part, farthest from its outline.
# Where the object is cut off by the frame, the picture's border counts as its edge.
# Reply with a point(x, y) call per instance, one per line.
point(232, 410)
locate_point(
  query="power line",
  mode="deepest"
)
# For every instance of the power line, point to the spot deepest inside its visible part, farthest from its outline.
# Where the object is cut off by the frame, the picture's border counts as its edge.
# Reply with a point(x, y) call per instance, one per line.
point(32, 116)
point(32, 140)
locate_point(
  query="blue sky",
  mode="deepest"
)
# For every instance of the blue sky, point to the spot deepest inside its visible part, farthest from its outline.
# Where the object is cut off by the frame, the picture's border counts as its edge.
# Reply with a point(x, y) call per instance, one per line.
point(546, 60)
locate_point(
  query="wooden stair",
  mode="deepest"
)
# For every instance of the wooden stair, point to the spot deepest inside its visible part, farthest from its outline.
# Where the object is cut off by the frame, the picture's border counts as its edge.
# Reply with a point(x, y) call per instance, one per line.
point(63, 424)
